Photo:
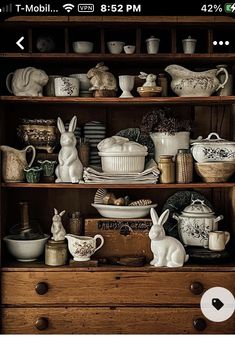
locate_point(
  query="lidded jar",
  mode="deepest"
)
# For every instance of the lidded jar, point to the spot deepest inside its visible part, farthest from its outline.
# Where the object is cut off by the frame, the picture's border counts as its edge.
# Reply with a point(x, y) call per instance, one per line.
point(166, 166)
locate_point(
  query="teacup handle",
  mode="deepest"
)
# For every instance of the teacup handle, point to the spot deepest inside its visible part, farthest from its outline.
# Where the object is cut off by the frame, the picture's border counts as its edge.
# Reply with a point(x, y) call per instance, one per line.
point(8, 81)
point(226, 78)
point(33, 155)
point(98, 236)
point(227, 237)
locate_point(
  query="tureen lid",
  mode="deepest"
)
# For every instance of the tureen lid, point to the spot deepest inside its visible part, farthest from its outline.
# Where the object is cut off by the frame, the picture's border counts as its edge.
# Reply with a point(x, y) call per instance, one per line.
point(216, 140)
point(197, 207)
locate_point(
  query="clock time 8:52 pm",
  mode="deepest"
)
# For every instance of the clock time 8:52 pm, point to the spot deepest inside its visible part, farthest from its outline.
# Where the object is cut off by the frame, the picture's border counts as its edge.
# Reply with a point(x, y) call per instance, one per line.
point(120, 8)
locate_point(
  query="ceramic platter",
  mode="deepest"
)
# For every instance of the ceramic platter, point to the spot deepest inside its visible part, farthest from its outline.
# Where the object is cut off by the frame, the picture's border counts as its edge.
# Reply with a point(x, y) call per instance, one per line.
point(112, 211)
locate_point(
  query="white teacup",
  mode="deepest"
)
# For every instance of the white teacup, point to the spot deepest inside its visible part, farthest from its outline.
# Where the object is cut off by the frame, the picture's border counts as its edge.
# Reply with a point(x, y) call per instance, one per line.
point(66, 87)
point(218, 240)
point(82, 248)
point(115, 47)
point(129, 49)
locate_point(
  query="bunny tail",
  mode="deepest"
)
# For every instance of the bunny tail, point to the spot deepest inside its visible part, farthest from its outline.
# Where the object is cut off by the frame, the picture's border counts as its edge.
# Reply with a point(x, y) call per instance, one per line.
point(186, 258)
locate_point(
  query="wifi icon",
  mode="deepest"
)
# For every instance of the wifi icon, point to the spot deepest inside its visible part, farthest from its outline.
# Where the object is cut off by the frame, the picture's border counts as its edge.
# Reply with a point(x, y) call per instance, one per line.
point(68, 7)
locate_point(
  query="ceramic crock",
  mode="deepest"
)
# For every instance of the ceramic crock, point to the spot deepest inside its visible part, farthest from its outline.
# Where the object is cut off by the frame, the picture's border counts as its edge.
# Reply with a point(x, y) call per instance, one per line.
point(213, 149)
point(195, 223)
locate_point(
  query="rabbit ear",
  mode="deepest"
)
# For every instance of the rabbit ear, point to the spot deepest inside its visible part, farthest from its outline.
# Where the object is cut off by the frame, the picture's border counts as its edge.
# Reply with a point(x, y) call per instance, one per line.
point(163, 217)
point(60, 125)
point(99, 65)
point(73, 124)
point(55, 211)
point(62, 213)
point(154, 216)
point(26, 75)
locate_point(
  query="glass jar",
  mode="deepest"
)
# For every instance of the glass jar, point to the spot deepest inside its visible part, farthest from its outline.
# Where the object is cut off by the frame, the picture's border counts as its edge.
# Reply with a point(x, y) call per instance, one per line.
point(56, 253)
point(166, 166)
point(75, 223)
point(162, 82)
point(184, 166)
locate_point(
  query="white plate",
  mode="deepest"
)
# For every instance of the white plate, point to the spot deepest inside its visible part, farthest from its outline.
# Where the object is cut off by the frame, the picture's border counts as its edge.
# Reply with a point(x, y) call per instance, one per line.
point(112, 211)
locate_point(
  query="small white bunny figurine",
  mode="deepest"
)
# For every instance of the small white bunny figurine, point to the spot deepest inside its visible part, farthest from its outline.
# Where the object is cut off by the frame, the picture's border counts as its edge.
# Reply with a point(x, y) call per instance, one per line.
point(70, 168)
point(167, 251)
point(57, 228)
point(150, 79)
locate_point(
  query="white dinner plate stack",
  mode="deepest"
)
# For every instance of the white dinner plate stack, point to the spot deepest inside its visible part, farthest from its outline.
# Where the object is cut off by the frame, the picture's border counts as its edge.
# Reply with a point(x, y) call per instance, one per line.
point(94, 131)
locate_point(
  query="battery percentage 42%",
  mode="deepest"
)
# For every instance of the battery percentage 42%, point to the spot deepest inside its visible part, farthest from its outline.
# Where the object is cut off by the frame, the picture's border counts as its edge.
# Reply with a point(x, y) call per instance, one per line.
point(212, 8)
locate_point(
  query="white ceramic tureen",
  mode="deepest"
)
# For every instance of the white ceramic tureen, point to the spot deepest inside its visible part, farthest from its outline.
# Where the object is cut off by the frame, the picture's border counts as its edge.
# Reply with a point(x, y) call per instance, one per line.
point(213, 149)
point(195, 222)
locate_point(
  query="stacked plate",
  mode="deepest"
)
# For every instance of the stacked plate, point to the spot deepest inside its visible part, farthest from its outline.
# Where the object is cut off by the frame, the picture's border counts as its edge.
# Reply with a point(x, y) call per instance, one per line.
point(86, 94)
point(77, 131)
point(94, 131)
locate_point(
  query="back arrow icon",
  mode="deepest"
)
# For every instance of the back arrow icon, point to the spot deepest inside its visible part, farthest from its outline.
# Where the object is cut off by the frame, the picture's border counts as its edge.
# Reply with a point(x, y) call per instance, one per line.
point(18, 43)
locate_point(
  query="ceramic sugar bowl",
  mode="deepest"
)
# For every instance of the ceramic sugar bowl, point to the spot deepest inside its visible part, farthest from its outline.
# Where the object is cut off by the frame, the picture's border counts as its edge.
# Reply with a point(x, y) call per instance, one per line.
point(195, 223)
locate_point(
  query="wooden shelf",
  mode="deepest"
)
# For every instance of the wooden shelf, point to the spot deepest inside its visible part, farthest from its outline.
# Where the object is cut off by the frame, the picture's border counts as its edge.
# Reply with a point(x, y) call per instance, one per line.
point(116, 186)
point(213, 100)
point(41, 267)
point(160, 57)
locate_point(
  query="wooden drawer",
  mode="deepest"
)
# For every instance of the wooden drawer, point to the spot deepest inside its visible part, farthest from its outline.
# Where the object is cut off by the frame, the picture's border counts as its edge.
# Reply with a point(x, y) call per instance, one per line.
point(130, 320)
point(110, 288)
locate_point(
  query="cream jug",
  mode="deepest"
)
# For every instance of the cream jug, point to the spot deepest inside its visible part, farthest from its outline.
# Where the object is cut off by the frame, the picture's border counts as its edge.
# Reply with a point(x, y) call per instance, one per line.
point(14, 161)
point(82, 248)
point(218, 240)
point(186, 83)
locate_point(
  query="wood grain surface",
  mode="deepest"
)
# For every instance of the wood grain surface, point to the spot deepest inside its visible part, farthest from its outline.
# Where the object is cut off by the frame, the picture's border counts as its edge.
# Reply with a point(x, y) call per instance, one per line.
point(109, 288)
point(110, 320)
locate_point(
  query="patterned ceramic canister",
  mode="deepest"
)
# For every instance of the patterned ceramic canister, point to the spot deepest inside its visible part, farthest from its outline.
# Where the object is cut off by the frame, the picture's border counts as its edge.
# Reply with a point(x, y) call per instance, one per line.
point(66, 87)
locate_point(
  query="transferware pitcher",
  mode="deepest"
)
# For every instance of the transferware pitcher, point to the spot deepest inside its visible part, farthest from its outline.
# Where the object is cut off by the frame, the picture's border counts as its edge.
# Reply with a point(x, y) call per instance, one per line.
point(186, 83)
point(14, 161)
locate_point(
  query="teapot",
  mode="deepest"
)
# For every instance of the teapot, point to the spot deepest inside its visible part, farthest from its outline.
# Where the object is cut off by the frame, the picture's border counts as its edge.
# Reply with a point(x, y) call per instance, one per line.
point(186, 83)
point(82, 248)
point(14, 161)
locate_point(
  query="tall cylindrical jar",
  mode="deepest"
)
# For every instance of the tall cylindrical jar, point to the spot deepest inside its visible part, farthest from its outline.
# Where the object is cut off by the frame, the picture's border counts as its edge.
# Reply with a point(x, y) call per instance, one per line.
point(75, 223)
point(162, 82)
point(166, 166)
point(184, 166)
point(56, 253)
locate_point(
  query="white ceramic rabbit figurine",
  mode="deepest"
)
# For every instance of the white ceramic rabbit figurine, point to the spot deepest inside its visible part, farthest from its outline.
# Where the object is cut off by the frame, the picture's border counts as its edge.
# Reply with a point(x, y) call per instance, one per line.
point(57, 228)
point(167, 251)
point(70, 168)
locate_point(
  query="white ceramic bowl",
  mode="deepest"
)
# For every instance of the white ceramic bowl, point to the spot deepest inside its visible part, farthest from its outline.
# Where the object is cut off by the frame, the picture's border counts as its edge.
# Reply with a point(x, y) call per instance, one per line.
point(115, 47)
point(129, 49)
point(112, 211)
point(122, 163)
point(83, 46)
point(26, 250)
point(83, 79)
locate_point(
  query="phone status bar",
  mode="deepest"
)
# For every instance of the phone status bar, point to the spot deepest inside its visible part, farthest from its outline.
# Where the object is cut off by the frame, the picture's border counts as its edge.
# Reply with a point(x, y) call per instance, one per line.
point(100, 7)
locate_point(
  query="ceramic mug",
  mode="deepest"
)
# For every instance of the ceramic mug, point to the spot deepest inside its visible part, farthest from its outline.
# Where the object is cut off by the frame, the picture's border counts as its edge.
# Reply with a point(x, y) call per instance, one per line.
point(50, 86)
point(83, 81)
point(82, 248)
point(218, 240)
point(66, 87)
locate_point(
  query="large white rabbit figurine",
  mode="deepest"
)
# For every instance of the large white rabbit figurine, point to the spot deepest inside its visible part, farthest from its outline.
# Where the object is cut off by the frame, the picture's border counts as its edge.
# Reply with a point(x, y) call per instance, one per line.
point(57, 228)
point(167, 251)
point(70, 168)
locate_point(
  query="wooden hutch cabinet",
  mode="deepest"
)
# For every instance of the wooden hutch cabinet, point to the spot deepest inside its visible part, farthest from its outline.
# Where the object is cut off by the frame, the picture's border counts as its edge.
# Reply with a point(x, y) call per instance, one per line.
point(36, 298)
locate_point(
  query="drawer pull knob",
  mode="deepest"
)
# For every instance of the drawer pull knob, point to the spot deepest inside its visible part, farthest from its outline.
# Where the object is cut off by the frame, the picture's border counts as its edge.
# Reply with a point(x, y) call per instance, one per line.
point(196, 288)
point(41, 323)
point(199, 324)
point(41, 288)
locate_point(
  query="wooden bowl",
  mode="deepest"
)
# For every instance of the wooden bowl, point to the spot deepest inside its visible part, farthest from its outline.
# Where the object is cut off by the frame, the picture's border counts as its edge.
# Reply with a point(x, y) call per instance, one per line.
point(215, 171)
point(149, 91)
